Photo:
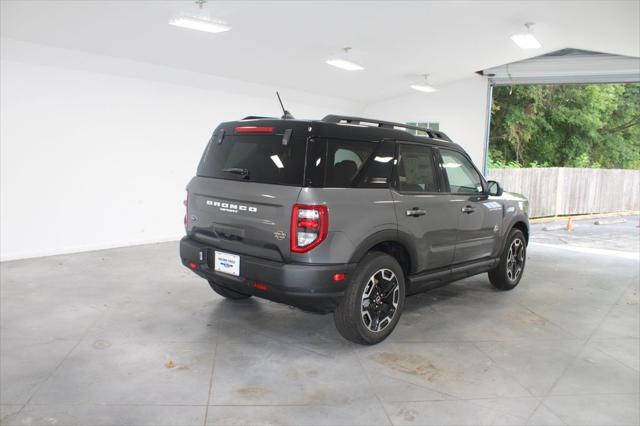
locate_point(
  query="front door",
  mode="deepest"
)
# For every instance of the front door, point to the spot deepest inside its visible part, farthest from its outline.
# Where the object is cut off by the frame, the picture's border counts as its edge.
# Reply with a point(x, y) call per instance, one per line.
point(478, 217)
point(424, 214)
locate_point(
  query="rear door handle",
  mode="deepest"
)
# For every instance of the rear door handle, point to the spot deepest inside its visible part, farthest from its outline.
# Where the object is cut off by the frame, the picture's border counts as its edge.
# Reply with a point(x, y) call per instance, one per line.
point(415, 212)
point(468, 209)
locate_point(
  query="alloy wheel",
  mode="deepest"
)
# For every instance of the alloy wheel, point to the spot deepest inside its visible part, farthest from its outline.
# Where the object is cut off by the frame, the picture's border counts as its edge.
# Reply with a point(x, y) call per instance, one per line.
point(380, 300)
point(515, 259)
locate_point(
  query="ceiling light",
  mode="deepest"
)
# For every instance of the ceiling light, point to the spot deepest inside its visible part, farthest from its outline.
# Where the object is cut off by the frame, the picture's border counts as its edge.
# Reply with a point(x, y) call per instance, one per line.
point(343, 63)
point(424, 87)
point(526, 40)
point(200, 20)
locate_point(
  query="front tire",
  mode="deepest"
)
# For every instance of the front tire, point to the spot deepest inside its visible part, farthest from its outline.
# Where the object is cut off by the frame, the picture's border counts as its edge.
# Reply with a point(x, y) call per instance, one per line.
point(373, 302)
point(225, 292)
point(508, 273)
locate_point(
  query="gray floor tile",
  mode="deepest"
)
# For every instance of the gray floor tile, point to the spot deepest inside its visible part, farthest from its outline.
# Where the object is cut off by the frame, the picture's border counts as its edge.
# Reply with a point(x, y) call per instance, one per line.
point(536, 365)
point(599, 410)
point(462, 354)
point(623, 322)
point(595, 372)
point(366, 413)
point(181, 320)
point(543, 416)
point(24, 365)
point(114, 372)
point(276, 373)
point(458, 370)
point(459, 412)
point(627, 351)
point(106, 415)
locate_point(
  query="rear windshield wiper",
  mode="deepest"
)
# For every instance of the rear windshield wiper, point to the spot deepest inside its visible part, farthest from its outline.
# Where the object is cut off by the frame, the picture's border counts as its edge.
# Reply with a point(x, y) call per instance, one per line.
point(237, 170)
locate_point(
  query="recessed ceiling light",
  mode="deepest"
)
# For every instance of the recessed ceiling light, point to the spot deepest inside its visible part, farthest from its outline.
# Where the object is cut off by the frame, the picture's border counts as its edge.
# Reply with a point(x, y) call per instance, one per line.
point(424, 87)
point(200, 21)
point(343, 63)
point(199, 24)
point(526, 40)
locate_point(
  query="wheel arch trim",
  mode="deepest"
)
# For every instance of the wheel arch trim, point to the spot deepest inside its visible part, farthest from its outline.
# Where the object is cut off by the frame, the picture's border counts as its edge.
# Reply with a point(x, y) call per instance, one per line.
point(387, 235)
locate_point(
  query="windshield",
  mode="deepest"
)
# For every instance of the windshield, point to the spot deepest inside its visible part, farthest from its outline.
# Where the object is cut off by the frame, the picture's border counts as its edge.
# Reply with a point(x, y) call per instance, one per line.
point(255, 158)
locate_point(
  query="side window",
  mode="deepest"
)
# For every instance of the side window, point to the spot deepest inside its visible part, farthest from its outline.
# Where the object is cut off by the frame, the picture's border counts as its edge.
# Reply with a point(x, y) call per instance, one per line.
point(416, 171)
point(378, 169)
point(345, 158)
point(463, 177)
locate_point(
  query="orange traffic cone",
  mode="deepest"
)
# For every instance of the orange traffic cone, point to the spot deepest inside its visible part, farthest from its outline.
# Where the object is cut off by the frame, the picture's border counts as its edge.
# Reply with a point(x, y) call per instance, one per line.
point(570, 224)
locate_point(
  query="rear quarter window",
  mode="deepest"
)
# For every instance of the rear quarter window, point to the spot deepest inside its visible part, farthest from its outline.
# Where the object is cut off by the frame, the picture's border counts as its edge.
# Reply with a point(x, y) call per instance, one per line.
point(342, 163)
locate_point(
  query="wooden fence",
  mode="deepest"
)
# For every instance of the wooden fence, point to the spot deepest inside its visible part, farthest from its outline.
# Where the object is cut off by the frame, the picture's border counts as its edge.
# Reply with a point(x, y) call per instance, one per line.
point(556, 191)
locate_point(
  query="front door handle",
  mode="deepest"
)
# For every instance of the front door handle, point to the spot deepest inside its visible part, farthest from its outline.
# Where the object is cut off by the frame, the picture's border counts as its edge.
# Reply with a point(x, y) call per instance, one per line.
point(415, 212)
point(468, 209)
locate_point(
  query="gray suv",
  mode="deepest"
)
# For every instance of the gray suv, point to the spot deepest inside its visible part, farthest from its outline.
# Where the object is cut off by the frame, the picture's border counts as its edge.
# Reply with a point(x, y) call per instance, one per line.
point(346, 215)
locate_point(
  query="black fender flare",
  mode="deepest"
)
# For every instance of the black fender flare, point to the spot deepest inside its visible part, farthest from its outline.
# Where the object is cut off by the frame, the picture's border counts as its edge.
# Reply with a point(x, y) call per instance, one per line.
point(518, 217)
point(392, 235)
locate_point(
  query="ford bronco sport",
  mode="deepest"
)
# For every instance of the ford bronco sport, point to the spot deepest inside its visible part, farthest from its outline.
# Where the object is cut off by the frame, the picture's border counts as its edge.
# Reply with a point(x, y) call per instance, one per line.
point(346, 215)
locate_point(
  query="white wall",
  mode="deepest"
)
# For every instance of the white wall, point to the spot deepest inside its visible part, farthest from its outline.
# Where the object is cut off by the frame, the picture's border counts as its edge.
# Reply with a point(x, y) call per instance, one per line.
point(460, 108)
point(96, 151)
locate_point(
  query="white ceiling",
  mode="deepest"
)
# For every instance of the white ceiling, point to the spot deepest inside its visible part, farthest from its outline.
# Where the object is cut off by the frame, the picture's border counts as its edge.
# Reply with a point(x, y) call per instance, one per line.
point(285, 43)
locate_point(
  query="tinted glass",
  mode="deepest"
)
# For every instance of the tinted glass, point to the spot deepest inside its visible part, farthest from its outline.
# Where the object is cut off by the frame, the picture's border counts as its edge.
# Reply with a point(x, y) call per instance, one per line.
point(255, 158)
point(416, 171)
point(345, 159)
point(335, 163)
point(463, 177)
point(377, 171)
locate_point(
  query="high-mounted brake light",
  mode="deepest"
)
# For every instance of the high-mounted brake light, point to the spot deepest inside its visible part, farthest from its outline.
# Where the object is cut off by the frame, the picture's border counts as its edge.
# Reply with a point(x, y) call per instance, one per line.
point(254, 129)
point(309, 227)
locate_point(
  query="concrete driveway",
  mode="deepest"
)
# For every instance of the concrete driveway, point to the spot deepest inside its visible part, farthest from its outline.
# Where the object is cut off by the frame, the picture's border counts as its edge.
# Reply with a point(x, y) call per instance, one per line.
point(129, 336)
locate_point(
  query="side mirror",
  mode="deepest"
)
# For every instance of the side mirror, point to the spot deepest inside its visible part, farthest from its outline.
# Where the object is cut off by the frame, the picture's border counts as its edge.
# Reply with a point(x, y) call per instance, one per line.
point(494, 188)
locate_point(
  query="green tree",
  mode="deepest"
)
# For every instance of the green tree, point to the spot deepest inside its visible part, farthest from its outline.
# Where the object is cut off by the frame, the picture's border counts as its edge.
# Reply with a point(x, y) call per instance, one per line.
point(595, 125)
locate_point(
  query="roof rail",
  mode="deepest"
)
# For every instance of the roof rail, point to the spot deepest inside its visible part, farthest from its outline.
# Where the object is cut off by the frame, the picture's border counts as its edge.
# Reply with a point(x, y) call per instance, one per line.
point(256, 117)
point(338, 119)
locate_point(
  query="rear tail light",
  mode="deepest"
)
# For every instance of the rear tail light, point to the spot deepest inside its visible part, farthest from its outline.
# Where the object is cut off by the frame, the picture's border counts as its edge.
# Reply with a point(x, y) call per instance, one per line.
point(309, 227)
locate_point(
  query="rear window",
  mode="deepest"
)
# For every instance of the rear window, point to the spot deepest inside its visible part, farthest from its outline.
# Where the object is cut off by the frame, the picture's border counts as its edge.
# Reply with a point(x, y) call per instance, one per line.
point(254, 158)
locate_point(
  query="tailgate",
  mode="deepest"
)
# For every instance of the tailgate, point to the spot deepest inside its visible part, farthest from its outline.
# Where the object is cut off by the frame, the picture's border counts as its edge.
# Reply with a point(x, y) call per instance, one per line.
point(242, 217)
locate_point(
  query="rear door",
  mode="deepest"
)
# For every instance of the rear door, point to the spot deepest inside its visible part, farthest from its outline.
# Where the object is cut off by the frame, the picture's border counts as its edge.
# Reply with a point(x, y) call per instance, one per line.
point(242, 197)
point(423, 212)
point(478, 218)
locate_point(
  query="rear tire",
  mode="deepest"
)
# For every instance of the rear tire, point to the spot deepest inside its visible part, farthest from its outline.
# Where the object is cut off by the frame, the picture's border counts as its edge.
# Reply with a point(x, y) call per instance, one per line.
point(373, 301)
point(508, 273)
point(229, 294)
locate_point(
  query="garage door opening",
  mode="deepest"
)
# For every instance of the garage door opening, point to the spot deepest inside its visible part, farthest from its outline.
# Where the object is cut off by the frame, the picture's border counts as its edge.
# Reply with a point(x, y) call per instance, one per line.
point(564, 130)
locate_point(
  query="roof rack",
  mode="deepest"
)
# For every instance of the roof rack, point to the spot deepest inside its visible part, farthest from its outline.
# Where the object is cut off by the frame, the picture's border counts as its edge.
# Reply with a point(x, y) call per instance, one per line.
point(343, 119)
point(256, 117)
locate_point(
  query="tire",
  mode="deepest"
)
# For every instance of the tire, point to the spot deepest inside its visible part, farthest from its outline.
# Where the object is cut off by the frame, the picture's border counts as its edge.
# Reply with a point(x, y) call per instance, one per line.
point(382, 277)
point(229, 294)
point(508, 273)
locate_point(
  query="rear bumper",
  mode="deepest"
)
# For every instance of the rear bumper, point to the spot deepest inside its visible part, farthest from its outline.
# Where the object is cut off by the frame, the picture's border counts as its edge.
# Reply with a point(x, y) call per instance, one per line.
point(306, 286)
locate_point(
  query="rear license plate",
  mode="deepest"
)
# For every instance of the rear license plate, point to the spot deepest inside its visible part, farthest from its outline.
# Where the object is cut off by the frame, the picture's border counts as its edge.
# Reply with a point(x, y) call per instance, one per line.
point(226, 263)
